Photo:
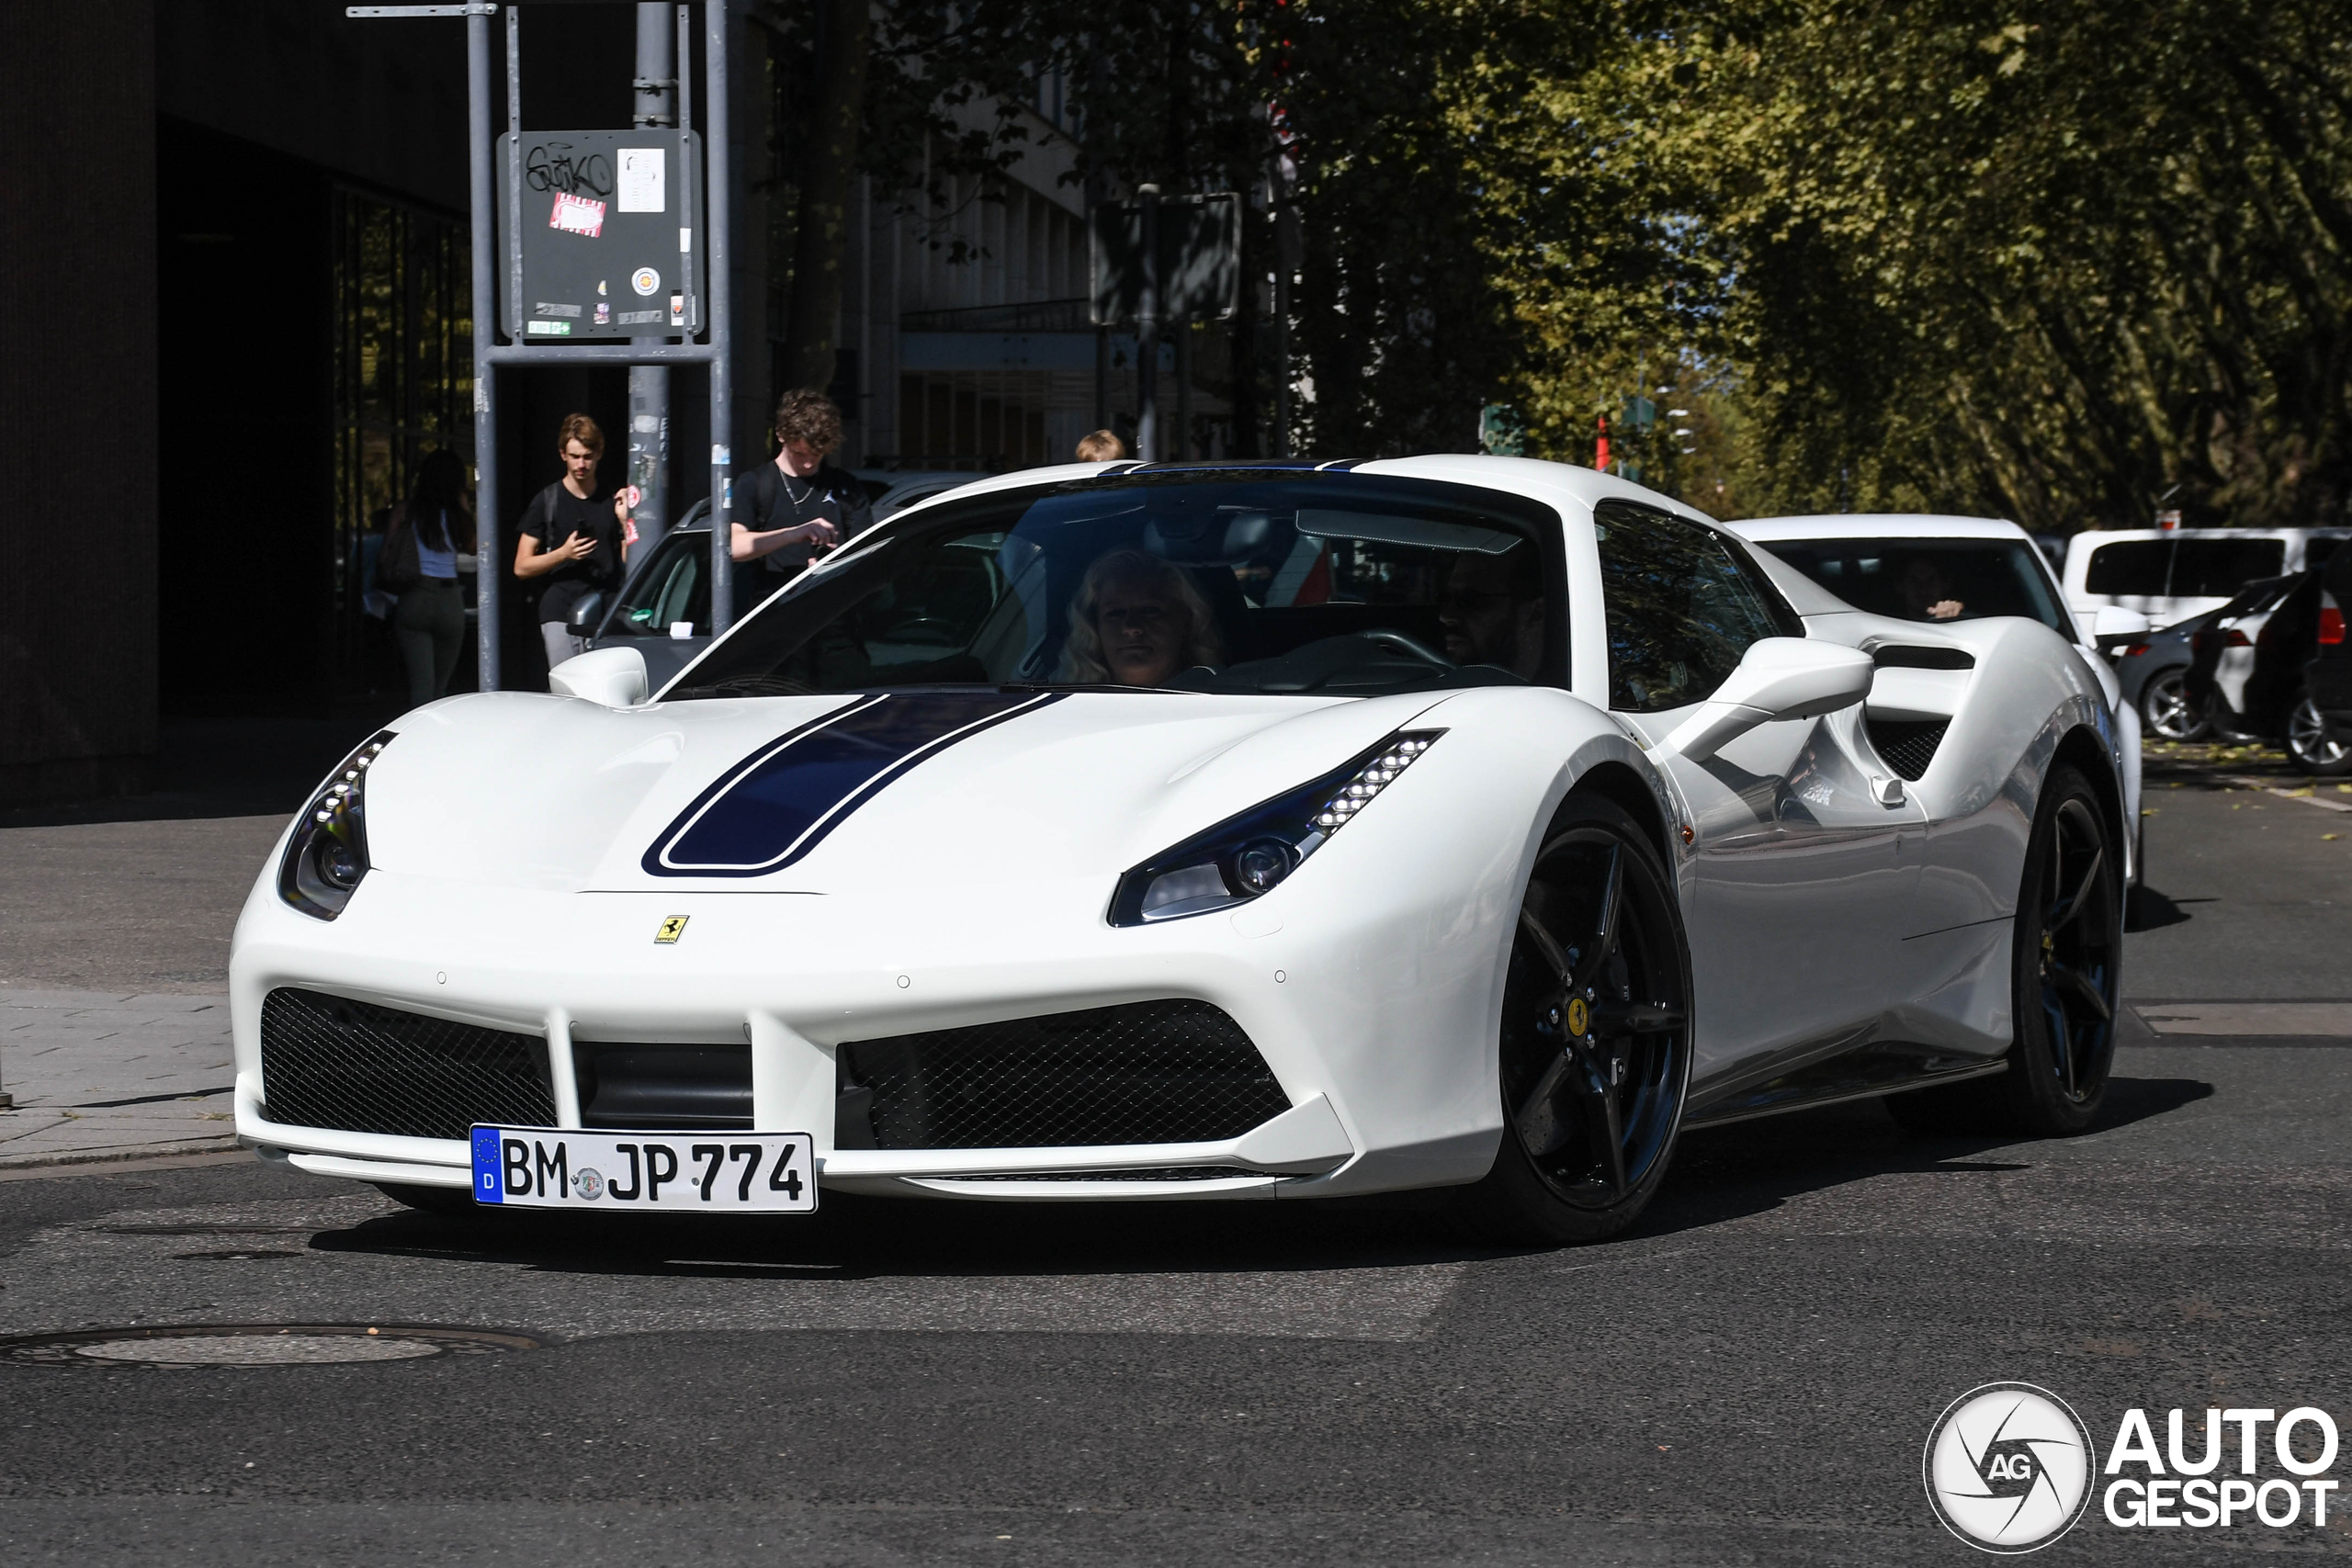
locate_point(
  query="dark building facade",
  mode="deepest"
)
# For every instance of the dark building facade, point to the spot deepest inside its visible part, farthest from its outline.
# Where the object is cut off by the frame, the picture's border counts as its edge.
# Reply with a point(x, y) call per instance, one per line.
point(242, 236)
point(78, 578)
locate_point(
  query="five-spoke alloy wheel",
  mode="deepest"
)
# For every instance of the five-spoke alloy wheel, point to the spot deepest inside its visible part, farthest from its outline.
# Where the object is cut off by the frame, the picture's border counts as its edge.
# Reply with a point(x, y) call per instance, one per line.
point(2069, 941)
point(1595, 1048)
point(2312, 745)
point(2068, 944)
point(2166, 709)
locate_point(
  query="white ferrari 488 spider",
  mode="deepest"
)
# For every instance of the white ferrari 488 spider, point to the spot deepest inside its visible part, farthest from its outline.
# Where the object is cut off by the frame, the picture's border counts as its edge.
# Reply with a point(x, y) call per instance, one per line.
point(1204, 833)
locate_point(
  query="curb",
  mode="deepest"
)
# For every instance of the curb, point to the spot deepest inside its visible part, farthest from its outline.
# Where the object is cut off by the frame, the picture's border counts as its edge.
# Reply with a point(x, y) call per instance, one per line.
point(225, 1144)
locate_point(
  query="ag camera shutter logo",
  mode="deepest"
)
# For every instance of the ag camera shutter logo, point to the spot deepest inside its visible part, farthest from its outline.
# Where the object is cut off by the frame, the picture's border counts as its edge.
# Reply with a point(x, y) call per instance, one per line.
point(2008, 1467)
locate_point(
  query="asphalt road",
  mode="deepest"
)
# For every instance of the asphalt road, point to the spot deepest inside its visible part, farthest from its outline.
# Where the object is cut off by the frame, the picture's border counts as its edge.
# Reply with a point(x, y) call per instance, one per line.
point(1749, 1379)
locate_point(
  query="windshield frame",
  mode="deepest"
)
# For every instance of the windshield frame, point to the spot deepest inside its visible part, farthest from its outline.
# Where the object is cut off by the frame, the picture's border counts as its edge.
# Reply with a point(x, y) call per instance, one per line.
point(1004, 507)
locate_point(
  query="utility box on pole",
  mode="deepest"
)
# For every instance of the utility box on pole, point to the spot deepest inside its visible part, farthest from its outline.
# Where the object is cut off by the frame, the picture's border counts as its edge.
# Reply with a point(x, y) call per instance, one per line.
point(1199, 273)
point(608, 233)
point(593, 217)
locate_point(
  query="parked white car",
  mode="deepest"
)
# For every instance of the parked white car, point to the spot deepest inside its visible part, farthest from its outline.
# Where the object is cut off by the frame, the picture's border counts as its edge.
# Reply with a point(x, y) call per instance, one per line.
point(2170, 575)
point(1942, 570)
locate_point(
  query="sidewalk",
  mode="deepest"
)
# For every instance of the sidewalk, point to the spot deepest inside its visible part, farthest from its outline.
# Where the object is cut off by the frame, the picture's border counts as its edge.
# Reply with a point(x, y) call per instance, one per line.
point(102, 1076)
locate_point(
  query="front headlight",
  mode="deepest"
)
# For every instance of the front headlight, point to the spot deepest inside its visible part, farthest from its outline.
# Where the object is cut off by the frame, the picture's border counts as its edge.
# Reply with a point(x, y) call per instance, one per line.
point(1252, 854)
point(328, 854)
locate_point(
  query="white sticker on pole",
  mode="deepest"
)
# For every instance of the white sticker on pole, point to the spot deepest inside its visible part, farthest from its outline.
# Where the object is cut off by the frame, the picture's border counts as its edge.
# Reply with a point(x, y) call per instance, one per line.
point(685, 241)
point(642, 186)
point(720, 456)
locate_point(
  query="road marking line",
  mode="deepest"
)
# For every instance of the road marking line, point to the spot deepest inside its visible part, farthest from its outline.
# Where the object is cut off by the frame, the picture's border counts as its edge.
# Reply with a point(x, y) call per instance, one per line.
point(2246, 1018)
point(2287, 794)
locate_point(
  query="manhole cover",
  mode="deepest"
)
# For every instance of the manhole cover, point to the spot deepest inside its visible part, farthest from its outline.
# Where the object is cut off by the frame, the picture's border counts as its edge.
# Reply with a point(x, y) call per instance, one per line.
point(256, 1344)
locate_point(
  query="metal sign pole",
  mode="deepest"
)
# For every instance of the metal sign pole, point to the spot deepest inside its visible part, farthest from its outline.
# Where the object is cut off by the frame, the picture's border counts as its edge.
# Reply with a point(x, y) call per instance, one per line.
point(648, 385)
point(1147, 332)
point(482, 187)
point(721, 208)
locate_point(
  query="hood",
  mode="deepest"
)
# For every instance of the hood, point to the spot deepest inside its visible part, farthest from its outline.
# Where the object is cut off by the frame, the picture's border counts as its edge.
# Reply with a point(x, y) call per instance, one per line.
point(838, 793)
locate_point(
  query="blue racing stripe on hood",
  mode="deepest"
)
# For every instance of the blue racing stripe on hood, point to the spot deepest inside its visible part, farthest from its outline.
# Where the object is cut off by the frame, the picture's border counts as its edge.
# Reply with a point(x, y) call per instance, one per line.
point(778, 804)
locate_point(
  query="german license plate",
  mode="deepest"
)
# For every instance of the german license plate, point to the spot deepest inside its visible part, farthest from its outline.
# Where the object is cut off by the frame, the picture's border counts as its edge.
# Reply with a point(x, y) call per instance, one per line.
point(706, 1173)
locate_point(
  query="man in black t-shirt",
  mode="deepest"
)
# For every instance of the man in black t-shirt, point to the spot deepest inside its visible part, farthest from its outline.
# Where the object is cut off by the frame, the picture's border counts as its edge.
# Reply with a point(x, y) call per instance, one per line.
point(788, 510)
point(573, 539)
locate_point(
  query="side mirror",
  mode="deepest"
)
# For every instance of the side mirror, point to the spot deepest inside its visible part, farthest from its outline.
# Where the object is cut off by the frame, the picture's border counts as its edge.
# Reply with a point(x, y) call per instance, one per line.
point(1781, 677)
point(612, 676)
point(2114, 621)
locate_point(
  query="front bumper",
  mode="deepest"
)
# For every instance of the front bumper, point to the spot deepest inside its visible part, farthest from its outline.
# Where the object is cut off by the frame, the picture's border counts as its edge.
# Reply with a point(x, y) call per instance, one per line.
point(1380, 1056)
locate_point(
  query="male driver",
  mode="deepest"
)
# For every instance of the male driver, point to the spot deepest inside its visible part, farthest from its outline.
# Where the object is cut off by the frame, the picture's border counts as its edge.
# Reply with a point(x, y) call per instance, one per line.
point(1493, 610)
point(572, 535)
point(1925, 594)
point(788, 510)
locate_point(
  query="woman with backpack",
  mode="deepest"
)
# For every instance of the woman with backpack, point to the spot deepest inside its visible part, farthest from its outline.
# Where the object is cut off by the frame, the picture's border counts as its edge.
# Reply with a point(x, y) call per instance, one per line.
point(429, 542)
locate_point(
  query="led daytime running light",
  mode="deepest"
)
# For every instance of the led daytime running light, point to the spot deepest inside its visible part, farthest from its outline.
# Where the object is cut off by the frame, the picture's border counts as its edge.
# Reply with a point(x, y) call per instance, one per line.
point(327, 855)
point(1249, 856)
point(1377, 775)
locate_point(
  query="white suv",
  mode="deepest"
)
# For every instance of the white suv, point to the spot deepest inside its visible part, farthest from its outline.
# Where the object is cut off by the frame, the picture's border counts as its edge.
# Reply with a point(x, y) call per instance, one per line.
point(2171, 575)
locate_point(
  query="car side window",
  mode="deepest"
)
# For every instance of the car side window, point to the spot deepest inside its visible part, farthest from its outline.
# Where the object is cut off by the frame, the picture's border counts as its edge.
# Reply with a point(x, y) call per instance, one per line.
point(1683, 605)
point(2130, 569)
point(2206, 567)
point(673, 588)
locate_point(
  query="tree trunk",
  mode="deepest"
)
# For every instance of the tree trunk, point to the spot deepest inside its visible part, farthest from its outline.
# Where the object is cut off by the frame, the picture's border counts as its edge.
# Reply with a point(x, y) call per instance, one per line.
point(829, 164)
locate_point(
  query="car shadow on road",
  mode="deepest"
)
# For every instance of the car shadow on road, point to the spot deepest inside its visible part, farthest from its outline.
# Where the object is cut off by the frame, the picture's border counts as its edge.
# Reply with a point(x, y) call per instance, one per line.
point(1719, 1176)
point(1753, 1167)
point(2147, 910)
point(855, 1237)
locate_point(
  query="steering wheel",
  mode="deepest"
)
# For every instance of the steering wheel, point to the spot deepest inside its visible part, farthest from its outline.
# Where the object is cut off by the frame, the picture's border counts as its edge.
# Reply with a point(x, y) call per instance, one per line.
point(1408, 645)
point(931, 629)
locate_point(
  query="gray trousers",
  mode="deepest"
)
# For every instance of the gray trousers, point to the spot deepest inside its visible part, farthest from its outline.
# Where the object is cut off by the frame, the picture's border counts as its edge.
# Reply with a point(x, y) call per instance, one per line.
point(561, 644)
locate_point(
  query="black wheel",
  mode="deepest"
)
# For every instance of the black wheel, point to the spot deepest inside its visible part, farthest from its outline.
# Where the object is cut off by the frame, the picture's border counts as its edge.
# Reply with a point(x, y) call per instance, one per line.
point(2068, 959)
point(2308, 741)
point(450, 1201)
point(2066, 952)
point(2166, 710)
point(1595, 1049)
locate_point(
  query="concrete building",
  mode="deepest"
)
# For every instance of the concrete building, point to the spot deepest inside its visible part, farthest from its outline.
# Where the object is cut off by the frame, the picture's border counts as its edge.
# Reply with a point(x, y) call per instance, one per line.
point(243, 225)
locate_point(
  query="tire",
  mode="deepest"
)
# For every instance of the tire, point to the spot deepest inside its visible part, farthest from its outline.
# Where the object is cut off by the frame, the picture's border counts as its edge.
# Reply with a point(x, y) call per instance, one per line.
point(2165, 711)
point(2066, 954)
point(449, 1201)
point(2309, 743)
point(1594, 1048)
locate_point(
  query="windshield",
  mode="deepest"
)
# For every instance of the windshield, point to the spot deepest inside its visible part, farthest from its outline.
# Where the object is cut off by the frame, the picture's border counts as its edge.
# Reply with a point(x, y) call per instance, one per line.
point(1931, 579)
point(1325, 582)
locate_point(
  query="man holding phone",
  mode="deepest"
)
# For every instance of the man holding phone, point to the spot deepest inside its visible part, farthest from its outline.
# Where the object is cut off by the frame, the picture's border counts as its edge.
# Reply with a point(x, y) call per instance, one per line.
point(574, 537)
point(788, 510)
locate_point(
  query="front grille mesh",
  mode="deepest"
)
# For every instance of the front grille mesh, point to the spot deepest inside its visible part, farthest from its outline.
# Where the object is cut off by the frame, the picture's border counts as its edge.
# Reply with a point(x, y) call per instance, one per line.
point(1909, 745)
point(357, 1067)
point(1163, 1072)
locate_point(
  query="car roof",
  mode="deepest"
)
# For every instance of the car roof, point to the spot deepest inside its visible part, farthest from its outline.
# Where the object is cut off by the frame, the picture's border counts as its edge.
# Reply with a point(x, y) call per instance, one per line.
point(1877, 526)
point(2102, 535)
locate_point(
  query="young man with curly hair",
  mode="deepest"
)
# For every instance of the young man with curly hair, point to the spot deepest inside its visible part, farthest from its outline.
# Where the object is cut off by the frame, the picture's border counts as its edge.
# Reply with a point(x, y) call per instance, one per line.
point(788, 510)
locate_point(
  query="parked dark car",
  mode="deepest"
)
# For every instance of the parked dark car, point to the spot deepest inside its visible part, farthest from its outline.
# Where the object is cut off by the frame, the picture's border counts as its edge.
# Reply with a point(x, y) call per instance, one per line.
point(664, 606)
point(2154, 669)
point(2247, 670)
point(2327, 679)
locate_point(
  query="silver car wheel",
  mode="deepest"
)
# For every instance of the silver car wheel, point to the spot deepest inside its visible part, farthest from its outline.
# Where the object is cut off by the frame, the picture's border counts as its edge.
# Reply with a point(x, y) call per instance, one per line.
point(2309, 743)
point(2165, 707)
